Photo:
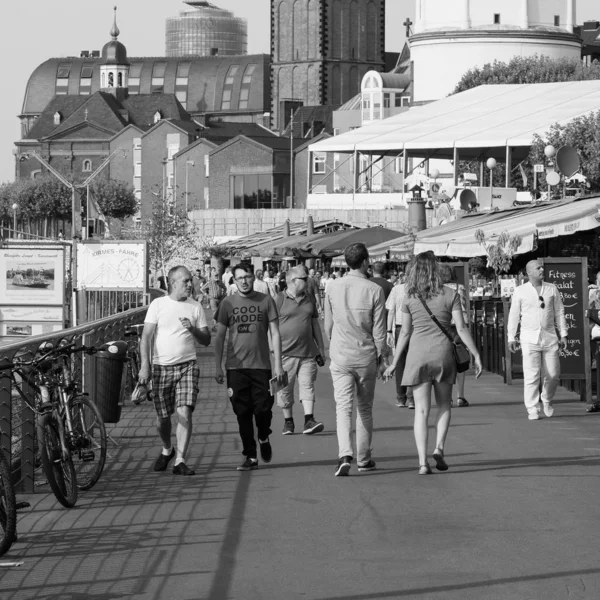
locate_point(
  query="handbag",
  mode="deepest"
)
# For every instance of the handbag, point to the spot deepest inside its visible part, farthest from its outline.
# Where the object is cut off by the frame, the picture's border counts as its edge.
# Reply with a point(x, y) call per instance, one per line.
point(460, 352)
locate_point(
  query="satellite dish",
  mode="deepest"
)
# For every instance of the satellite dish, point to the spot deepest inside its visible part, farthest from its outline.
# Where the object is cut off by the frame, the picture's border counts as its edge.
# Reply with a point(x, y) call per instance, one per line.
point(553, 178)
point(467, 199)
point(567, 161)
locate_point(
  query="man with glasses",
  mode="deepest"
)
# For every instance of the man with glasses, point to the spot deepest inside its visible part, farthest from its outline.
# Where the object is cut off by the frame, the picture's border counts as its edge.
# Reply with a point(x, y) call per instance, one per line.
point(249, 317)
point(539, 307)
point(301, 343)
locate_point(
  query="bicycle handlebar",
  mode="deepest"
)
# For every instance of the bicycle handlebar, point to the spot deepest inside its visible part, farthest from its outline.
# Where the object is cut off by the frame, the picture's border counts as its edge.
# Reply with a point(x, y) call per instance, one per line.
point(44, 362)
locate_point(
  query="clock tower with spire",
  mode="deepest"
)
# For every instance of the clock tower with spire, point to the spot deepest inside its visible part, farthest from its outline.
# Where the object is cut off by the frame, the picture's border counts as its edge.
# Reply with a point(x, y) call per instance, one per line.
point(114, 65)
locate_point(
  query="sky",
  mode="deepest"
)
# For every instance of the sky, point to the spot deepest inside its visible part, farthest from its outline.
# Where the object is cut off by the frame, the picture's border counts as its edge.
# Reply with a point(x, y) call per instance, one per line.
point(35, 30)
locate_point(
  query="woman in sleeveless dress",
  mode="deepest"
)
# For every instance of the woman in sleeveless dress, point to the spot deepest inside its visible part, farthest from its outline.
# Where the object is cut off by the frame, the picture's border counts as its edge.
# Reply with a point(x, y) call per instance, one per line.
point(430, 361)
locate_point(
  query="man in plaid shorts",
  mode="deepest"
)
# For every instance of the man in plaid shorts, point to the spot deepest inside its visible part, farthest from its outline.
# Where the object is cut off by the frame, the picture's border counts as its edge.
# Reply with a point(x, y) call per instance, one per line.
point(172, 326)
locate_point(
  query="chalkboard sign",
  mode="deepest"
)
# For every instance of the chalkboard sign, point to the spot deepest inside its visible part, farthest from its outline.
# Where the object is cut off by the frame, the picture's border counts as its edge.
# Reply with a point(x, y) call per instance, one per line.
point(569, 275)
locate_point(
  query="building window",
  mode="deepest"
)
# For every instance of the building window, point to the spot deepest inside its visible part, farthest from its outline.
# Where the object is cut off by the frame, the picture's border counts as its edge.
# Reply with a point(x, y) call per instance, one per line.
point(137, 169)
point(233, 69)
point(247, 79)
point(182, 97)
point(111, 80)
point(183, 69)
point(398, 164)
point(157, 116)
point(206, 165)
point(87, 166)
point(556, 20)
point(336, 131)
point(386, 100)
point(170, 181)
point(57, 118)
point(496, 18)
point(206, 190)
point(405, 100)
point(397, 101)
point(137, 143)
point(226, 103)
point(120, 80)
point(252, 191)
point(318, 163)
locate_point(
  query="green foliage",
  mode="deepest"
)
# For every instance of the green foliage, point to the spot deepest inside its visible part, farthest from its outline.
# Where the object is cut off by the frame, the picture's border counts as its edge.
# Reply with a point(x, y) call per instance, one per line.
point(37, 198)
point(533, 69)
point(582, 134)
point(116, 199)
point(499, 254)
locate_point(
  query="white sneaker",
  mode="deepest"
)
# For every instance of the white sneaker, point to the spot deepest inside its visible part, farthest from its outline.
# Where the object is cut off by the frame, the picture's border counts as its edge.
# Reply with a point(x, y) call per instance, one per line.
point(534, 416)
point(548, 409)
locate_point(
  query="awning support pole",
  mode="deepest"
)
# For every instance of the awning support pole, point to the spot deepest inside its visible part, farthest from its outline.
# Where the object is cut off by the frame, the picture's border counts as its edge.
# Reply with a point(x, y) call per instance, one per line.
point(508, 165)
point(456, 159)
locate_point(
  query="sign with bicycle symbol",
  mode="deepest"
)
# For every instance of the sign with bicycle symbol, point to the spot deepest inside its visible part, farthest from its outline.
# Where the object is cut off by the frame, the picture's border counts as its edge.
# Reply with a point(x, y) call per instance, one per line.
point(112, 265)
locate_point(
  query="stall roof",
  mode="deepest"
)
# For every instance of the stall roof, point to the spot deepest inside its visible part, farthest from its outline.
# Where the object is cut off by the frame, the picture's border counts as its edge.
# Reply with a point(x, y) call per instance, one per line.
point(540, 221)
point(334, 245)
point(489, 116)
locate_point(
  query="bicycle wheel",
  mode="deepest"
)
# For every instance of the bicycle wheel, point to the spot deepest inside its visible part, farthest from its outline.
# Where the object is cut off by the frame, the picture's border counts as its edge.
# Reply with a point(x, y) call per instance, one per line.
point(88, 446)
point(8, 508)
point(133, 369)
point(59, 470)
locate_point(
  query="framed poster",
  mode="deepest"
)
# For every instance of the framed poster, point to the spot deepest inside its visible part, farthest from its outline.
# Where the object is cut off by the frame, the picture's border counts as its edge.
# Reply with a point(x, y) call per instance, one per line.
point(112, 265)
point(22, 329)
point(49, 314)
point(32, 276)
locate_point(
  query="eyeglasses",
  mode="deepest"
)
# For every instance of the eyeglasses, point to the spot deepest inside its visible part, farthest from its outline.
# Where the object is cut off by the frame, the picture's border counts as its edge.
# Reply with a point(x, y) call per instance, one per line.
point(301, 278)
point(246, 278)
point(542, 304)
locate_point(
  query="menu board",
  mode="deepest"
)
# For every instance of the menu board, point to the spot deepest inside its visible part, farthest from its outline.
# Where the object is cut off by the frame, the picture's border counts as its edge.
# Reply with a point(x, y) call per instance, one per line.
point(569, 275)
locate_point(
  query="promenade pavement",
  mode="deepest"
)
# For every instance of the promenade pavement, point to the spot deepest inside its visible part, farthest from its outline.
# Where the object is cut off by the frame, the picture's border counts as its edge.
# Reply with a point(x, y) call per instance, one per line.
point(515, 517)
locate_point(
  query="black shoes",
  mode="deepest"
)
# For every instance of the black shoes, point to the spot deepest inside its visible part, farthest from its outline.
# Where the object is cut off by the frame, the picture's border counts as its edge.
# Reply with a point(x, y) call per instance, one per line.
point(183, 469)
point(163, 461)
point(266, 452)
point(370, 466)
point(440, 462)
point(248, 465)
point(343, 467)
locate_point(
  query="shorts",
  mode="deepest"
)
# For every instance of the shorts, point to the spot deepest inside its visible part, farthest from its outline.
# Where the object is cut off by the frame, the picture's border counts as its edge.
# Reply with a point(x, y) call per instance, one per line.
point(175, 386)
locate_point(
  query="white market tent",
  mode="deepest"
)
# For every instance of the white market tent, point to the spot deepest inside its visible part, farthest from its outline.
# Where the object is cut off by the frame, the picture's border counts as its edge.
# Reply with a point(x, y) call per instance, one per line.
point(495, 120)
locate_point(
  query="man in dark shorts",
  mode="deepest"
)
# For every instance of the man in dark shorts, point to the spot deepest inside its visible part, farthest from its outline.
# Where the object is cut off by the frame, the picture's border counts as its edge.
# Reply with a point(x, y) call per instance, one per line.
point(172, 326)
point(250, 317)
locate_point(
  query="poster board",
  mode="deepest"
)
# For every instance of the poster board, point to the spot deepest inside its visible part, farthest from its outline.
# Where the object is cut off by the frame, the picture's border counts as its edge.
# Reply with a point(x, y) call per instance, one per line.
point(32, 289)
point(112, 265)
point(570, 277)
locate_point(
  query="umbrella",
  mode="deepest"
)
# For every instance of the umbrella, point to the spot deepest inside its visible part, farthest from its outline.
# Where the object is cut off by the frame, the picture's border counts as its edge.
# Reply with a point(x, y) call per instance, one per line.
point(333, 245)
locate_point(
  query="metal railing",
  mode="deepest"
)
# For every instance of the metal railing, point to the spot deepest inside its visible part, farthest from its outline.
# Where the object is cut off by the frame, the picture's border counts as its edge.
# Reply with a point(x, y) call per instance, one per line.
point(17, 420)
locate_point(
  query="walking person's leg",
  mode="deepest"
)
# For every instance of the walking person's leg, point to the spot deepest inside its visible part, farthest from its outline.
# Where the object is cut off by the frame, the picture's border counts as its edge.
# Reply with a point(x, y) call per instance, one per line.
point(285, 398)
point(262, 406)
point(187, 390)
point(400, 389)
point(163, 386)
point(532, 365)
point(551, 376)
point(343, 392)
point(422, 395)
point(239, 391)
point(366, 378)
point(307, 375)
point(443, 398)
point(460, 390)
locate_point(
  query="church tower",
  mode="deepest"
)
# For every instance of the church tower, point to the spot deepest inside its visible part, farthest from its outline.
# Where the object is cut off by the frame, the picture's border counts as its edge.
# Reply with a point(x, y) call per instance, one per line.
point(114, 66)
point(320, 51)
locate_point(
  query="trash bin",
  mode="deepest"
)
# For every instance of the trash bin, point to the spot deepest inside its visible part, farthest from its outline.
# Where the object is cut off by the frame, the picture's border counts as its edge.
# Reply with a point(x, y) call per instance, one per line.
point(108, 390)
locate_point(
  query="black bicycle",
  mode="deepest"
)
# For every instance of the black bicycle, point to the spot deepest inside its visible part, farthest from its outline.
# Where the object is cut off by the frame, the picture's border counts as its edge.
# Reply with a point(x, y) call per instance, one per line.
point(71, 433)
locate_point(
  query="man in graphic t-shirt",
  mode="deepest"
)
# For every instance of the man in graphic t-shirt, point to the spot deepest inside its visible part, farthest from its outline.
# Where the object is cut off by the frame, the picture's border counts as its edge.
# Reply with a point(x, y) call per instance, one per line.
point(250, 317)
point(172, 326)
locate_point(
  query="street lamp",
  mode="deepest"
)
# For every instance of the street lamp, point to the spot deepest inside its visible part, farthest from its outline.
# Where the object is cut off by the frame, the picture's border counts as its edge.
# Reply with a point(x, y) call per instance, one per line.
point(491, 165)
point(187, 163)
point(550, 153)
point(14, 207)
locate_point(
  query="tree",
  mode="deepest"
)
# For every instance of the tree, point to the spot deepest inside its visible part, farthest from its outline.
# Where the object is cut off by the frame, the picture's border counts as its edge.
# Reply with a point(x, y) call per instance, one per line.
point(528, 69)
point(115, 199)
point(582, 134)
point(499, 254)
point(37, 198)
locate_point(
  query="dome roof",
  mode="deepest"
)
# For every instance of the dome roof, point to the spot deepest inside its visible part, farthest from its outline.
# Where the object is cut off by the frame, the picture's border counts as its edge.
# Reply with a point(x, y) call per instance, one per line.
point(114, 53)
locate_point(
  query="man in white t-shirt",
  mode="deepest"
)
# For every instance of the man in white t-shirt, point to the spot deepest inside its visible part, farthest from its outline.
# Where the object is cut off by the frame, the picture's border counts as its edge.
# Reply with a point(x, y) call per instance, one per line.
point(173, 325)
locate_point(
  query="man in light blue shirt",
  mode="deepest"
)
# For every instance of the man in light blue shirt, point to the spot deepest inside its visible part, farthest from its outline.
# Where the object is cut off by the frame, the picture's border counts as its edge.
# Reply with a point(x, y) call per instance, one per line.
point(355, 325)
point(539, 308)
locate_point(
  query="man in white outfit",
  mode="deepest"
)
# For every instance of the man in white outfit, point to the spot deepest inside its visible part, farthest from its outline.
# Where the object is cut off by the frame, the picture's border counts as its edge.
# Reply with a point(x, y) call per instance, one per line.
point(539, 307)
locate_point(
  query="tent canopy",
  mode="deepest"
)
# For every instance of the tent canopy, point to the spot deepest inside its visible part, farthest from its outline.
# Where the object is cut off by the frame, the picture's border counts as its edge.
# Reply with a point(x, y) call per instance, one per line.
point(481, 119)
point(334, 245)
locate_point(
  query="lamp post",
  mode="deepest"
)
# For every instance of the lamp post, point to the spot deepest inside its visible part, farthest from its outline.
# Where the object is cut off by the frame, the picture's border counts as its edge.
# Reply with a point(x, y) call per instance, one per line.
point(14, 207)
point(491, 165)
point(550, 153)
point(187, 164)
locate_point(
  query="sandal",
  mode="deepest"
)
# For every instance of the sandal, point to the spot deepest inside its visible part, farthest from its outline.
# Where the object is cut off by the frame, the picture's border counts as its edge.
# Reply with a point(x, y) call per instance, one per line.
point(440, 463)
point(424, 469)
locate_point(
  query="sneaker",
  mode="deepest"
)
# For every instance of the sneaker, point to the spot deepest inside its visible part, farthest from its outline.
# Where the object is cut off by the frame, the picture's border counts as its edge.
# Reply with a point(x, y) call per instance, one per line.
point(370, 466)
point(343, 467)
point(183, 469)
point(266, 452)
point(548, 409)
point(533, 416)
point(288, 428)
point(312, 426)
point(411, 404)
point(401, 403)
point(461, 402)
point(248, 465)
point(163, 461)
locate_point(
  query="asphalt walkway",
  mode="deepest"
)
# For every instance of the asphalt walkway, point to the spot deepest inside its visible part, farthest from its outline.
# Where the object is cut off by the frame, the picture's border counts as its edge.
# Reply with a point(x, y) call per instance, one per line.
point(515, 517)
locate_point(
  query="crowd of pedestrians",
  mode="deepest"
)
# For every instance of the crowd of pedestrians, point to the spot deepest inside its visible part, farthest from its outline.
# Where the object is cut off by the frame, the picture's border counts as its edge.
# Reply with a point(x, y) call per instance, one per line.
point(404, 327)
